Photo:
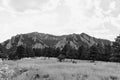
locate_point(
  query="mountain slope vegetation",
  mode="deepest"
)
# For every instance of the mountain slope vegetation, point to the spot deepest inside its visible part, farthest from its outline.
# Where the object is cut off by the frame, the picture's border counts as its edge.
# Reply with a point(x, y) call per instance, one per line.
point(72, 46)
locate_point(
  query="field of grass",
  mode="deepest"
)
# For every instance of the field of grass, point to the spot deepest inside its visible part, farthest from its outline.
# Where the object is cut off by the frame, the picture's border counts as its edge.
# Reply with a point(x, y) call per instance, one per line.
point(51, 69)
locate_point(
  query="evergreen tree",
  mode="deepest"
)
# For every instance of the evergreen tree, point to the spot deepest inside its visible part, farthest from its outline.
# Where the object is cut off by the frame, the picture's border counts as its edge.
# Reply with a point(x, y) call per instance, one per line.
point(81, 51)
point(100, 52)
point(37, 52)
point(21, 52)
point(29, 52)
point(57, 52)
point(93, 52)
point(65, 49)
point(115, 56)
point(12, 53)
point(108, 51)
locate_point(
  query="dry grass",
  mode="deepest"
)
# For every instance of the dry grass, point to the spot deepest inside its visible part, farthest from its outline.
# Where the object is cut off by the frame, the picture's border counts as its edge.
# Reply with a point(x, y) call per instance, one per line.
point(50, 69)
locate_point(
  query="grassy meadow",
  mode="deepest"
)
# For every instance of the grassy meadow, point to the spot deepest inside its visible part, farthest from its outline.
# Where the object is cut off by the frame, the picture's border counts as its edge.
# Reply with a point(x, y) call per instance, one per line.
point(51, 69)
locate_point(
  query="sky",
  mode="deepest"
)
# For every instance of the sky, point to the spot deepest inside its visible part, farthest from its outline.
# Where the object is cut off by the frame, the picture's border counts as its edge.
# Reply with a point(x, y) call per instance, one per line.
point(98, 18)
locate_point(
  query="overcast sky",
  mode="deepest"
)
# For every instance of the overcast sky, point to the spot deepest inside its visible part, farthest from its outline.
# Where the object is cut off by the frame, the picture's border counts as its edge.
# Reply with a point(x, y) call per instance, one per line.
point(98, 18)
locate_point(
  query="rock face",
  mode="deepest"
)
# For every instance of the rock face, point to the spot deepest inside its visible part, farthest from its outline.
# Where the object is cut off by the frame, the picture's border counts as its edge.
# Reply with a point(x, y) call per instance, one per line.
point(41, 40)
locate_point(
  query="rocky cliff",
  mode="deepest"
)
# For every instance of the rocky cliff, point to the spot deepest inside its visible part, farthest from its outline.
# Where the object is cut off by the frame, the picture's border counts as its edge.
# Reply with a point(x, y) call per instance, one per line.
point(41, 40)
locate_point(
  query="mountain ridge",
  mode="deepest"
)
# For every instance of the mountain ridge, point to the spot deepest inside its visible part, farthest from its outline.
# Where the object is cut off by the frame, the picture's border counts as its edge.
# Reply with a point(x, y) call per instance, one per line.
point(42, 40)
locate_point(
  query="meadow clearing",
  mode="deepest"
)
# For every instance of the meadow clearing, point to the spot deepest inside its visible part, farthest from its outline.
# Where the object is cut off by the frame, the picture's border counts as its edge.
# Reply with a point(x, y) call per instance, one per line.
point(51, 69)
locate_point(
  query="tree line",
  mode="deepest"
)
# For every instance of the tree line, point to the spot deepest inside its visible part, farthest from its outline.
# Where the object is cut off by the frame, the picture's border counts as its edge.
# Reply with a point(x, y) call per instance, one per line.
point(97, 52)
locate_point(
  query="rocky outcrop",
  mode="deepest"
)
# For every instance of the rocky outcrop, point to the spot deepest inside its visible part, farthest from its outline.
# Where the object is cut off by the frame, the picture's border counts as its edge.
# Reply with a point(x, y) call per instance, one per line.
point(41, 40)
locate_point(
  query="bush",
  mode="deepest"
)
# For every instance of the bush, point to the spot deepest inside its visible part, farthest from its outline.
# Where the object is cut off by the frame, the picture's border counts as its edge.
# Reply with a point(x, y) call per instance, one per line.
point(61, 57)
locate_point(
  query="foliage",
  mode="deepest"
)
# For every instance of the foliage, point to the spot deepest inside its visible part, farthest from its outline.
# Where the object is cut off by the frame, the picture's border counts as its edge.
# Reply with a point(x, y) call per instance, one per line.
point(115, 56)
point(61, 57)
point(98, 52)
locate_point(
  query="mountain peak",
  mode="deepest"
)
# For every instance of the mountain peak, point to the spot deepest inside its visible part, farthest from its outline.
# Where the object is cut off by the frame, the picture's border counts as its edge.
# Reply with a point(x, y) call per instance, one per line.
point(42, 40)
point(84, 34)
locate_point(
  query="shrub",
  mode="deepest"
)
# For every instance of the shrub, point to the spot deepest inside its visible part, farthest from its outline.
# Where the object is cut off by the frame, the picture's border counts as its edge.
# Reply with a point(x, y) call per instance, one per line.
point(61, 57)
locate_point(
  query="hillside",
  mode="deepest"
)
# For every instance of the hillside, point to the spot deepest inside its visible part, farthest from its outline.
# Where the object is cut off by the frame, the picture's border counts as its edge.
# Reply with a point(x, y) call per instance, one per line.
point(41, 40)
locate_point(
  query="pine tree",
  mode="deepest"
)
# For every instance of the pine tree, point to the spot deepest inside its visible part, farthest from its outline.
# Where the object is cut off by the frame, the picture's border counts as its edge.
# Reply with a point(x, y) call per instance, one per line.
point(29, 52)
point(115, 56)
point(81, 51)
point(93, 52)
point(107, 54)
point(20, 52)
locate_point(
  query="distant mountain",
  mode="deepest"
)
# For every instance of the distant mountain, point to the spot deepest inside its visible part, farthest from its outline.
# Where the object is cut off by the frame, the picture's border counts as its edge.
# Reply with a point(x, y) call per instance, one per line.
point(41, 40)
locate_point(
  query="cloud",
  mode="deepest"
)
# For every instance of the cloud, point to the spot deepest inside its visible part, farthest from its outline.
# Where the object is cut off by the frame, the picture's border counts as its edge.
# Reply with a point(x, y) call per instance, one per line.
point(27, 6)
point(0, 2)
point(23, 5)
point(60, 17)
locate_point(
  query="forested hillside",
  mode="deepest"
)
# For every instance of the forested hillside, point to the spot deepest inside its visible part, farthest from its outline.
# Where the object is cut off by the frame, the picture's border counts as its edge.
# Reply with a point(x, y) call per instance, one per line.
point(73, 46)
